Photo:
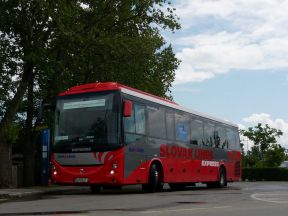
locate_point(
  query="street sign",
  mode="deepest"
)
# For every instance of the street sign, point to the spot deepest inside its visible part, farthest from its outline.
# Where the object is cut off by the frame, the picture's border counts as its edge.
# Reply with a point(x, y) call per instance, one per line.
point(45, 143)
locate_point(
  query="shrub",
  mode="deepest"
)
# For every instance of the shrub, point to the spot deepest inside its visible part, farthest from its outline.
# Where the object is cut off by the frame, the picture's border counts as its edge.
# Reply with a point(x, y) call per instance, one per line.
point(265, 174)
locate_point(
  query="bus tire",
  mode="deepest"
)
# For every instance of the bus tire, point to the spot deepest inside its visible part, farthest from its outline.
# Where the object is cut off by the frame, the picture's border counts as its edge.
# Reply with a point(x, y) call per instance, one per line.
point(95, 189)
point(154, 183)
point(222, 182)
point(222, 178)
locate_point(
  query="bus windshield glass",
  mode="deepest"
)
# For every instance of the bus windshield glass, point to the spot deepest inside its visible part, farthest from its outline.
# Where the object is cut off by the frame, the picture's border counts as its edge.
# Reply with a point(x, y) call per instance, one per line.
point(87, 122)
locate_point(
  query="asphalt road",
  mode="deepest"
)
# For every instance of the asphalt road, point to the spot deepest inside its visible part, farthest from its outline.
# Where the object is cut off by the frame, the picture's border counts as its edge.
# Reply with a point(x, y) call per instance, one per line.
point(241, 198)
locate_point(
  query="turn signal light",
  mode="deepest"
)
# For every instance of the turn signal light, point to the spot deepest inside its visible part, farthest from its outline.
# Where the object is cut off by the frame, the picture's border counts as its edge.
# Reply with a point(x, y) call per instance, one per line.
point(114, 166)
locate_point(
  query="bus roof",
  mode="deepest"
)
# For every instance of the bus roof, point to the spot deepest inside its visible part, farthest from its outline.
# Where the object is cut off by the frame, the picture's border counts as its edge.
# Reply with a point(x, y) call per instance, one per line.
point(108, 86)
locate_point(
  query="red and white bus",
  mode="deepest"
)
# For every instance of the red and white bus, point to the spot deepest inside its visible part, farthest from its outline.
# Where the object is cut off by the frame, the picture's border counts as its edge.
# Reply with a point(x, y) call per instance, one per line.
point(108, 134)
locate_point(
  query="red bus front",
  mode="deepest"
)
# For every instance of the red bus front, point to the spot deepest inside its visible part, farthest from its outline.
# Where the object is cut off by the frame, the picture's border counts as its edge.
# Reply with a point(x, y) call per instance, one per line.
point(87, 147)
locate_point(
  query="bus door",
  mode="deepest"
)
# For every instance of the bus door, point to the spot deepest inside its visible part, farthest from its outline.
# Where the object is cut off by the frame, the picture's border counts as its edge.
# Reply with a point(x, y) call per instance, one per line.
point(134, 141)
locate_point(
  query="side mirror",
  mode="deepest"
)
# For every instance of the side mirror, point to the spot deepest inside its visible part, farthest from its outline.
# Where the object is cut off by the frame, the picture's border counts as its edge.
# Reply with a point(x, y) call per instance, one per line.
point(127, 108)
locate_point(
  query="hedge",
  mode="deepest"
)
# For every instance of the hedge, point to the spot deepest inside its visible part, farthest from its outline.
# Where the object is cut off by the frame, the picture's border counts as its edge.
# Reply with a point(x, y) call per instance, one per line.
point(265, 174)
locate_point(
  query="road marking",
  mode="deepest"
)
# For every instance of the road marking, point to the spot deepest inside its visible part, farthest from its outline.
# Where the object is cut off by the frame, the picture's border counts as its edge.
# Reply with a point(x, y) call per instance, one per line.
point(279, 198)
point(180, 210)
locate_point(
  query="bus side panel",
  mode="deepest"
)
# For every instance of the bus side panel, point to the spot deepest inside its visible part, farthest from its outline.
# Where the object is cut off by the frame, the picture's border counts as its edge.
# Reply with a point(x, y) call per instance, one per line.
point(179, 165)
point(135, 164)
point(177, 169)
point(181, 170)
point(234, 166)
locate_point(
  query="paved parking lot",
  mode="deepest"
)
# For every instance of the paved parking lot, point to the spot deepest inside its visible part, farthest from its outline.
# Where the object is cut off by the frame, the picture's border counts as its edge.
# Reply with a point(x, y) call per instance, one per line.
point(241, 198)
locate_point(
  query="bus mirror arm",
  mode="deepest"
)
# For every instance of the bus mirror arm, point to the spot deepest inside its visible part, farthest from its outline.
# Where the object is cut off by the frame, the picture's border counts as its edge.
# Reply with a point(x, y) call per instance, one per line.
point(127, 108)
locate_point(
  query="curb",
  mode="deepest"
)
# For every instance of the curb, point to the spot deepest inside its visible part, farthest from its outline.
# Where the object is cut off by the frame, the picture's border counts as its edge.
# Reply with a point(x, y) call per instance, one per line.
point(13, 195)
point(18, 195)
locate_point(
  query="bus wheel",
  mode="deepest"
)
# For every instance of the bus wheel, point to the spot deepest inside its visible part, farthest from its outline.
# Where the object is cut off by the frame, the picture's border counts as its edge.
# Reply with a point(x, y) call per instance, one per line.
point(95, 189)
point(154, 184)
point(221, 183)
point(222, 178)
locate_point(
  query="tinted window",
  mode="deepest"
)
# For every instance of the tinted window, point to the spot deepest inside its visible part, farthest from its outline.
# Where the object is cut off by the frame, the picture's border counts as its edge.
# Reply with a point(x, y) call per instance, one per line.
point(237, 139)
point(88, 120)
point(170, 125)
point(156, 120)
point(232, 139)
point(139, 119)
point(182, 124)
point(129, 122)
point(208, 134)
point(219, 136)
point(136, 122)
point(196, 132)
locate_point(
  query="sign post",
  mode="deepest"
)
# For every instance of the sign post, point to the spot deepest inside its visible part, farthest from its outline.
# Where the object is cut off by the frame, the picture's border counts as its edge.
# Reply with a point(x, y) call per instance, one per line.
point(45, 143)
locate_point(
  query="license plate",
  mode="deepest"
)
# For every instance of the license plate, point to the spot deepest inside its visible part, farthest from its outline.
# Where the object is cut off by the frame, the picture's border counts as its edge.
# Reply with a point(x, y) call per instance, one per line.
point(81, 180)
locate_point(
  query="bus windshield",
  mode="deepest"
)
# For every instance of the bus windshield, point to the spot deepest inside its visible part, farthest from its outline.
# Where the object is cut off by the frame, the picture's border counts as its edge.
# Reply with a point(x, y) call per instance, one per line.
point(87, 122)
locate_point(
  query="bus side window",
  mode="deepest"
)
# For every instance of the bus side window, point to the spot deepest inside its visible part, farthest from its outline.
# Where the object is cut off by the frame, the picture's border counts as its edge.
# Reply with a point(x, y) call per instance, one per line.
point(237, 147)
point(196, 132)
point(170, 125)
point(208, 134)
point(156, 122)
point(129, 122)
point(225, 144)
point(182, 127)
point(134, 126)
point(231, 139)
point(140, 119)
point(219, 136)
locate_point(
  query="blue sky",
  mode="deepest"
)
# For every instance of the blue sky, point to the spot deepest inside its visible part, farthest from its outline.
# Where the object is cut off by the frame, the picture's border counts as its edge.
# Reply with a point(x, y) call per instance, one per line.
point(234, 60)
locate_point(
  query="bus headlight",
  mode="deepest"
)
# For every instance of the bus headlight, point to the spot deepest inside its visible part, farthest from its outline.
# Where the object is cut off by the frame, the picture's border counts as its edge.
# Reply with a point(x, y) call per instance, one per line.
point(53, 169)
point(112, 172)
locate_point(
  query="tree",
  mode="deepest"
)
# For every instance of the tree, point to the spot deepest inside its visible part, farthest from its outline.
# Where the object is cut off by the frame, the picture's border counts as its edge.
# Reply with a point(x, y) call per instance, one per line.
point(274, 156)
point(48, 46)
point(266, 151)
point(119, 44)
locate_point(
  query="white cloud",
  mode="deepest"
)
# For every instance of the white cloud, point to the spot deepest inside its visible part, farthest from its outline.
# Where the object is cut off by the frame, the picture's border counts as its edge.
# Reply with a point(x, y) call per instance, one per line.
point(237, 12)
point(241, 35)
point(186, 71)
point(241, 126)
point(277, 123)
